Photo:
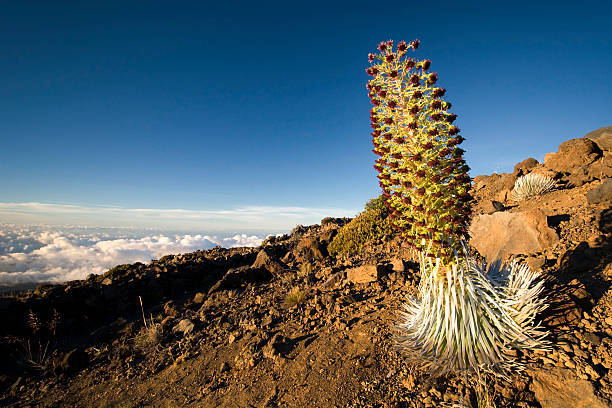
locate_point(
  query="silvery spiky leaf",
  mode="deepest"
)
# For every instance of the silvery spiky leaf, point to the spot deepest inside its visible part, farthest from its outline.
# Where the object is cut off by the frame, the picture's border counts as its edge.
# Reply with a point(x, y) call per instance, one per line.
point(467, 321)
point(531, 185)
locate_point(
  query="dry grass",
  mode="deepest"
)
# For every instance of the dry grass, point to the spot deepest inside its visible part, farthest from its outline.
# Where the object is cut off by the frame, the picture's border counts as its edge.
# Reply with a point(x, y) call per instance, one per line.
point(295, 296)
point(151, 335)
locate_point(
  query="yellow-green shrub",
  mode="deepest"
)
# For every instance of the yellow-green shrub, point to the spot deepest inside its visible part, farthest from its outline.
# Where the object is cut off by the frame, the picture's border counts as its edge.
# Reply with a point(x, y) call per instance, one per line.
point(370, 225)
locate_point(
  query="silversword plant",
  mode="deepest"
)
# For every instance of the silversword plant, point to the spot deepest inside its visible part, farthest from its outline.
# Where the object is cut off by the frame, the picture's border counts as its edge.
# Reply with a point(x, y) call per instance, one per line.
point(468, 314)
point(531, 185)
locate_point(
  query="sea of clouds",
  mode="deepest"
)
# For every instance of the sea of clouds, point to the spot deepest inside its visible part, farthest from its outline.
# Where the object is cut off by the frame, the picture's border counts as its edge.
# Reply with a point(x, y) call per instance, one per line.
point(32, 254)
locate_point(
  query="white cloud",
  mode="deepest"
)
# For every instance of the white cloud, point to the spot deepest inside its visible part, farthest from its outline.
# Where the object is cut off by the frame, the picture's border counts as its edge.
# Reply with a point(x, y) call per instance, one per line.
point(241, 219)
point(30, 254)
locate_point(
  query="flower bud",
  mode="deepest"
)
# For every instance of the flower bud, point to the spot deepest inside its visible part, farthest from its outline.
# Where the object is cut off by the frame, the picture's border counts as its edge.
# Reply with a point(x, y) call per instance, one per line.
point(427, 145)
point(370, 57)
point(389, 58)
point(425, 65)
point(382, 46)
point(438, 92)
point(415, 44)
point(401, 46)
point(393, 74)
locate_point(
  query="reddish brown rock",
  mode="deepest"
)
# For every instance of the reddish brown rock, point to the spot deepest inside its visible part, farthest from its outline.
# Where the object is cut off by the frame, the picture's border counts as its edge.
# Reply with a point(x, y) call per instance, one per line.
point(364, 273)
point(498, 235)
point(572, 154)
point(269, 262)
point(560, 388)
point(525, 166)
point(602, 137)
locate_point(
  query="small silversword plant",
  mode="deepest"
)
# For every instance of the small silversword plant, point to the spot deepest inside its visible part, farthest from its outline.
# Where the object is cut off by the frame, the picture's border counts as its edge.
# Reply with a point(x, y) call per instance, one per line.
point(531, 185)
point(468, 314)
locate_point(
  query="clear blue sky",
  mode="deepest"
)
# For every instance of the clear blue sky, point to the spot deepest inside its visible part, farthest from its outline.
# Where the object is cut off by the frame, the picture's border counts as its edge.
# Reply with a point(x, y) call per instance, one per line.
point(209, 106)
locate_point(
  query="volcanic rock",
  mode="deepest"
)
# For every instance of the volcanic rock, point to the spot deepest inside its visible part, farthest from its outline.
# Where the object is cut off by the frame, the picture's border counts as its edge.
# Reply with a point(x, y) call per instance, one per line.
point(364, 273)
point(559, 388)
point(572, 154)
point(235, 277)
point(601, 193)
point(524, 167)
point(602, 137)
point(269, 262)
point(498, 235)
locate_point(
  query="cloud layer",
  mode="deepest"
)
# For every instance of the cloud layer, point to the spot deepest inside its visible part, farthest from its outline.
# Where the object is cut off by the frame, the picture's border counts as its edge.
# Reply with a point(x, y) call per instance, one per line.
point(239, 219)
point(32, 254)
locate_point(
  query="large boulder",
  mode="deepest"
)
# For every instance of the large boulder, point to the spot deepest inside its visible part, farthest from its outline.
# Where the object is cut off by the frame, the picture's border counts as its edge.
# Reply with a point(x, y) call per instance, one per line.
point(266, 260)
point(364, 273)
point(524, 167)
point(495, 187)
point(559, 388)
point(572, 154)
point(601, 193)
point(236, 277)
point(602, 137)
point(498, 235)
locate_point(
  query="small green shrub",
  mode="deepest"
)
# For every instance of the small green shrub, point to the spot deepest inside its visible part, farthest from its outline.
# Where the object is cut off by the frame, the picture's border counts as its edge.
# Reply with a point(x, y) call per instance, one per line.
point(115, 271)
point(327, 220)
point(377, 203)
point(370, 225)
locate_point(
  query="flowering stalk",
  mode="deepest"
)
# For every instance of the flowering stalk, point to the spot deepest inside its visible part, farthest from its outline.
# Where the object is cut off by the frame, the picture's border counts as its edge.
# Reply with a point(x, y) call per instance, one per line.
point(421, 168)
point(468, 314)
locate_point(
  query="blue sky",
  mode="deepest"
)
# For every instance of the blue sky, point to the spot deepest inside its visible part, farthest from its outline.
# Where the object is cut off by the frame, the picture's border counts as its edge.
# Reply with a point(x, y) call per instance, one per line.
point(226, 108)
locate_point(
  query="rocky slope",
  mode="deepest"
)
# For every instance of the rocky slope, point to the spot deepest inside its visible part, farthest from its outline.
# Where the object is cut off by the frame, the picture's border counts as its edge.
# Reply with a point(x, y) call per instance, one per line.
point(248, 327)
